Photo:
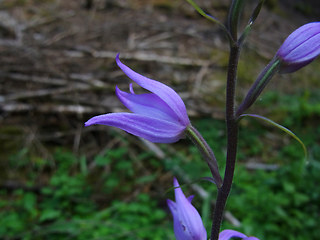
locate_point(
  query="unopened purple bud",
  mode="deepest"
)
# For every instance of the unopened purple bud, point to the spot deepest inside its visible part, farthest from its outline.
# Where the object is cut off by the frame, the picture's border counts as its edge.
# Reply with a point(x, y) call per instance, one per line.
point(228, 234)
point(187, 222)
point(300, 48)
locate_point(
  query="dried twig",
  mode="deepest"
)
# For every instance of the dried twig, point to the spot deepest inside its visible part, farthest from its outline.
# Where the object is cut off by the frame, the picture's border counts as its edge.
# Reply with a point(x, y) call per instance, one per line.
point(141, 56)
point(50, 108)
point(199, 77)
point(31, 78)
point(46, 92)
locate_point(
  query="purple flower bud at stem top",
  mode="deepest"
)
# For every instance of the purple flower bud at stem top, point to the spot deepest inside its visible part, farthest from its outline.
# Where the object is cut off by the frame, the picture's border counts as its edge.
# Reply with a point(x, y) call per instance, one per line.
point(159, 116)
point(300, 48)
point(228, 234)
point(187, 222)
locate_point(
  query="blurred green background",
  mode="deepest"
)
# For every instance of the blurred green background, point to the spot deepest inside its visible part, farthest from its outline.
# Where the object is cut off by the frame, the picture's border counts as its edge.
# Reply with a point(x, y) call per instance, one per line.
point(59, 180)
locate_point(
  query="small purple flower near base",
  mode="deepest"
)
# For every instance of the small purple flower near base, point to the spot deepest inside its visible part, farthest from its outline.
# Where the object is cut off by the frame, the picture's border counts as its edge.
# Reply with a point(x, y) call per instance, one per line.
point(228, 234)
point(300, 48)
point(159, 116)
point(187, 222)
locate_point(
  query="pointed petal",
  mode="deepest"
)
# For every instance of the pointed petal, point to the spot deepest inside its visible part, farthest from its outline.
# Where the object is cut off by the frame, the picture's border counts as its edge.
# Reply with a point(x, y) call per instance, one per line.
point(190, 198)
point(152, 129)
point(167, 94)
point(131, 88)
point(148, 105)
point(189, 219)
point(251, 238)
point(172, 206)
point(227, 234)
point(181, 199)
point(179, 229)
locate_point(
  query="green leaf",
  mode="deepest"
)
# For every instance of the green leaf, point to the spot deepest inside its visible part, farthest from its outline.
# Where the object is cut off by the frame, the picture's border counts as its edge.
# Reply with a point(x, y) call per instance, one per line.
point(202, 13)
point(83, 165)
point(256, 12)
point(102, 160)
point(261, 82)
point(286, 130)
point(49, 214)
point(234, 15)
point(209, 17)
point(253, 17)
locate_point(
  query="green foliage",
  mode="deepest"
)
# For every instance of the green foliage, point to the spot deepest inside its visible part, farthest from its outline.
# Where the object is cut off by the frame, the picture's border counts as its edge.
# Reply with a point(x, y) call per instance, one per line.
point(284, 202)
point(65, 208)
point(109, 196)
point(293, 110)
point(278, 204)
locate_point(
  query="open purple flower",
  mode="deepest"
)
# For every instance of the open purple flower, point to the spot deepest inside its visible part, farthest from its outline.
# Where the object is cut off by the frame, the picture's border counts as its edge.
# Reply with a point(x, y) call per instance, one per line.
point(300, 48)
point(159, 116)
point(228, 234)
point(187, 222)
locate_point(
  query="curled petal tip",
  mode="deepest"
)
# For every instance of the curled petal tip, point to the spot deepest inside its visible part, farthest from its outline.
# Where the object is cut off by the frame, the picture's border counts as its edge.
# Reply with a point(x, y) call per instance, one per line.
point(90, 122)
point(118, 60)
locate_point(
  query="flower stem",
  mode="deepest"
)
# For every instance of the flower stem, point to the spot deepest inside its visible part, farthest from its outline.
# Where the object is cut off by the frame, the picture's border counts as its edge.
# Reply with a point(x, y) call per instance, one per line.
point(206, 152)
point(258, 86)
point(233, 17)
point(232, 142)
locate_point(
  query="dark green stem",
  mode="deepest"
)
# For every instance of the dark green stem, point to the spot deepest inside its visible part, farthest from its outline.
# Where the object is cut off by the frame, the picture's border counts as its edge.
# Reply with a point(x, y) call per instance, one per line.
point(258, 86)
point(232, 141)
point(233, 17)
point(206, 152)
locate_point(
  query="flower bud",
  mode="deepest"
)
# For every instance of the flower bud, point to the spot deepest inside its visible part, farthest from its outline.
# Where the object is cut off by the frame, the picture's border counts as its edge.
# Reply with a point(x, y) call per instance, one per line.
point(186, 219)
point(300, 48)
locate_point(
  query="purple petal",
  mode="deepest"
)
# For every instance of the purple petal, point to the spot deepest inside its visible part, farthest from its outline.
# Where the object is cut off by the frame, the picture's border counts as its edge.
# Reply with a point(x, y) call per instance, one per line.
point(181, 199)
point(167, 94)
point(251, 238)
point(299, 40)
point(190, 198)
point(179, 230)
point(300, 48)
point(307, 50)
point(148, 105)
point(172, 206)
point(131, 88)
point(189, 224)
point(227, 234)
point(178, 191)
point(152, 129)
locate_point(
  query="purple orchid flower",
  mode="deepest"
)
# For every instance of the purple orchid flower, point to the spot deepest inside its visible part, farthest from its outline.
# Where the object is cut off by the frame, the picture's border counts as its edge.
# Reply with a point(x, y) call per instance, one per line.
point(228, 234)
point(300, 48)
point(187, 222)
point(159, 116)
